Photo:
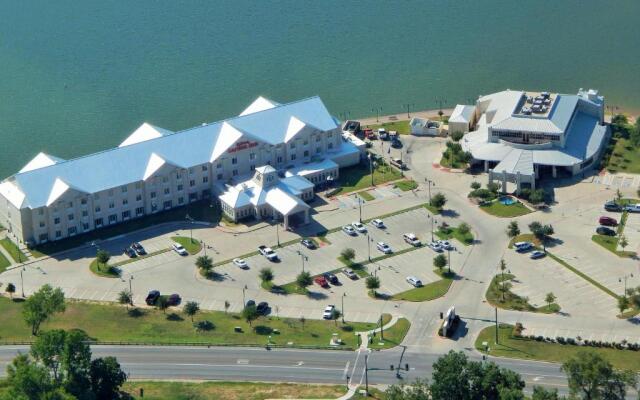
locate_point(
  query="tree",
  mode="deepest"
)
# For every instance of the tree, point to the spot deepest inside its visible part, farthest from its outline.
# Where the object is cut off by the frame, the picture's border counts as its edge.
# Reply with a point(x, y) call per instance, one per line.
point(457, 135)
point(335, 314)
point(41, 305)
point(250, 313)
point(11, 289)
point(540, 393)
point(464, 228)
point(226, 306)
point(503, 267)
point(419, 390)
point(438, 201)
point(303, 280)
point(106, 377)
point(302, 321)
point(76, 361)
point(440, 261)
point(191, 309)
point(550, 298)
point(618, 195)
point(27, 380)
point(541, 232)
point(623, 242)
point(373, 283)
point(493, 187)
point(513, 229)
point(204, 264)
point(48, 349)
point(592, 377)
point(162, 304)
point(125, 297)
point(102, 258)
point(536, 196)
point(623, 303)
point(475, 185)
point(266, 274)
point(348, 255)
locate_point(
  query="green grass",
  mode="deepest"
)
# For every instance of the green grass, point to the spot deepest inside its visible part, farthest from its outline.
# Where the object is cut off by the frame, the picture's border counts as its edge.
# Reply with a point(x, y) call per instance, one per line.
point(192, 246)
point(4, 263)
point(358, 177)
point(112, 323)
point(453, 233)
point(406, 185)
point(524, 237)
point(624, 158)
point(445, 161)
point(392, 336)
point(428, 292)
point(402, 127)
point(199, 211)
point(611, 243)
point(366, 196)
point(105, 271)
point(432, 209)
point(500, 210)
point(13, 250)
point(158, 390)
point(511, 300)
point(523, 348)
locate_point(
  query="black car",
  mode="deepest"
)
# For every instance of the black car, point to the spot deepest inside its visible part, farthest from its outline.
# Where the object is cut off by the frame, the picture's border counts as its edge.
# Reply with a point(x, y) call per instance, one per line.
point(331, 278)
point(603, 230)
point(130, 252)
point(174, 300)
point(612, 206)
point(308, 243)
point(250, 303)
point(262, 308)
point(396, 144)
point(152, 297)
point(137, 247)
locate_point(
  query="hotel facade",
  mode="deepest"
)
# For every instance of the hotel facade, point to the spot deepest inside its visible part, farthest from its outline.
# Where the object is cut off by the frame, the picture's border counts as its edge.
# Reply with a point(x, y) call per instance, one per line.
point(264, 163)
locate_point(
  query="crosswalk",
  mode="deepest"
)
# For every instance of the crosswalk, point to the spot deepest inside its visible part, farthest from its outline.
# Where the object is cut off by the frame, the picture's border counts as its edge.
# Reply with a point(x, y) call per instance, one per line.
point(621, 181)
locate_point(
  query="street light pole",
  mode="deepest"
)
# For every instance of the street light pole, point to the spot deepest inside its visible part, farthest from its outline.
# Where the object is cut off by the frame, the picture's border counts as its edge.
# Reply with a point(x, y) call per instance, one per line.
point(188, 218)
point(625, 282)
point(496, 308)
point(343, 296)
point(370, 167)
point(243, 296)
point(368, 245)
point(277, 232)
point(449, 262)
point(130, 290)
point(22, 282)
point(366, 375)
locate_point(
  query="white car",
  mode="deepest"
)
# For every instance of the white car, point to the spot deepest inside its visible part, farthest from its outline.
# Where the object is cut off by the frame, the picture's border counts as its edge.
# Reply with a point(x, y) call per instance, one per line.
point(328, 311)
point(411, 239)
point(359, 227)
point(414, 281)
point(383, 247)
point(268, 253)
point(446, 245)
point(348, 229)
point(177, 247)
point(377, 223)
point(632, 208)
point(240, 263)
point(435, 246)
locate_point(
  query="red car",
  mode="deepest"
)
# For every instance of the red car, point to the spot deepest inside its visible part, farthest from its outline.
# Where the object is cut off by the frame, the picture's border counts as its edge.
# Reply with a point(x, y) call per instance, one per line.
point(608, 221)
point(320, 280)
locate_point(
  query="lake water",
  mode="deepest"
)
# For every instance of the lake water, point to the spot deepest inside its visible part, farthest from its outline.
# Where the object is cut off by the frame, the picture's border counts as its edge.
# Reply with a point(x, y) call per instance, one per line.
point(79, 76)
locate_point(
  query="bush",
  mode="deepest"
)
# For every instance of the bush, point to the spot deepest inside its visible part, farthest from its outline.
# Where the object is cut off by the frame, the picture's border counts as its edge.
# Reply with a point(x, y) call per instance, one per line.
point(203, 326)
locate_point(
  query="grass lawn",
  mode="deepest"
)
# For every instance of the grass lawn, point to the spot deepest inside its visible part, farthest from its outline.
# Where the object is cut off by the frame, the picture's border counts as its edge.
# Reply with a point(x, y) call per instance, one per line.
point(500, 210)
point(432, 209)
point(4, 263)
point(192, 246)
point(514, 347)
point(105, 271)
point(366, 196)
point(157, 390)
point(511, 300)
point(445, 161)
point(524, 237)
point(13, 250)
point(624, 158)
point(402, 127)
point(392, 336)
point(112, 323)
point(199, 211)
point(453, 233)
point(611, 243)
point(358, 177)
point(406, 185)
point(430, 291)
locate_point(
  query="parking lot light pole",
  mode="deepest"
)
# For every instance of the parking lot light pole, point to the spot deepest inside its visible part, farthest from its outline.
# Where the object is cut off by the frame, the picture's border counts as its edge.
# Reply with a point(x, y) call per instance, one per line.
point(243, 297)
point(369, 245)
point(304, 258)
point(359, 205)
point(22, 281)
point(188, 218)
point(625, 282)
point(130, 290)
point(496, 308)
point(343, 296)
point(370, 167)
point(429, 182)
point(449, 262)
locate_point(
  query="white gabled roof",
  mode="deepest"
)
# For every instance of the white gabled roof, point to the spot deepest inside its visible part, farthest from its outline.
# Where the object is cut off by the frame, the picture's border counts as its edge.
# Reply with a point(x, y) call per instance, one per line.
point(259, 104)
point(12, 193)
point(143, 133)
point(58, 189)
point(295, 126)
point(285, 203)
point(40, 161)
point(462, 113)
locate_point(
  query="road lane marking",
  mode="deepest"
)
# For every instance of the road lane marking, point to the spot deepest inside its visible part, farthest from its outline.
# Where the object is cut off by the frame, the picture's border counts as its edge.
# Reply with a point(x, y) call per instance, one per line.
point(346, 370)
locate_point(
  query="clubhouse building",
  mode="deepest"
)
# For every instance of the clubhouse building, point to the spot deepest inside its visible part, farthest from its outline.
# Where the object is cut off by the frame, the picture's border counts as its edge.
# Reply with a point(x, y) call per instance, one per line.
point(264, 163)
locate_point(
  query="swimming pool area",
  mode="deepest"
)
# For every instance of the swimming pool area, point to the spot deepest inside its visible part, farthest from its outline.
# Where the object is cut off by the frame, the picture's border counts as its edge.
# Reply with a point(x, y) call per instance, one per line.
point(507, 200)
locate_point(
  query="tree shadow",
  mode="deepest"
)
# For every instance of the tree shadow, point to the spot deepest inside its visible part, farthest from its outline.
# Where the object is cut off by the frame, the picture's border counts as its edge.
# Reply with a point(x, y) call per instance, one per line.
point(174, 317)
point(136, 313)
point(263, 330)
point(215, 276)
point(449, 213)
point(316, 295)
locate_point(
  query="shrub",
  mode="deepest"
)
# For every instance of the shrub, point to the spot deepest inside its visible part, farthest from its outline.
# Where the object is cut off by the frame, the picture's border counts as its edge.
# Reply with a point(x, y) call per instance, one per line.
point(203, 326)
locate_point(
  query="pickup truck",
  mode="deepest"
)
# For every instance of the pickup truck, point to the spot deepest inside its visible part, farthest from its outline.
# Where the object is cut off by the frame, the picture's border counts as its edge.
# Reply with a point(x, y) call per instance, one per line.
point(268, 253)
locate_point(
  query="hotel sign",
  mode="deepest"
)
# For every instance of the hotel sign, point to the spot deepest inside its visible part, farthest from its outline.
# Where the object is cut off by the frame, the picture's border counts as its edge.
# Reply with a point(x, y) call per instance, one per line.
point(242, 146)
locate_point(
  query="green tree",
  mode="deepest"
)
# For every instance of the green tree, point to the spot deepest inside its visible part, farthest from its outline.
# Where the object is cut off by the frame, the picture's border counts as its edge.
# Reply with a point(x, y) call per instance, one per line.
point(348, 255)
point(419, 390)
point(513, 229)
point(475, 185)
point(76, 361)
point(493, 187)
point(102, 258)
point(226, 306)
point(550, 298)
point(542, 232)
point(303, 280)
point(106, 377)
point(464, 229)
point(623, 242)
point(440, 261)
point(266, 274)
point(162, 304)
point(302, 321)
point(48, 349)
point(204, 264)
point(536, 196)
point(373, 284)
point(591, 377)
point(125, 297)
point(457, 135)
point(438, 201)
point(623, 303)
point(27, 380)
point(618, 195)
point(11, 289)
point(250, 313)
point(191, 308)
point(41, 305)
point(540, 393)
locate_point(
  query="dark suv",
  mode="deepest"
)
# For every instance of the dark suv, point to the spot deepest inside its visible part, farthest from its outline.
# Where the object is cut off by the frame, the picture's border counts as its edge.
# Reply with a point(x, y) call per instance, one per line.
point(152, 297)
point(603, 230)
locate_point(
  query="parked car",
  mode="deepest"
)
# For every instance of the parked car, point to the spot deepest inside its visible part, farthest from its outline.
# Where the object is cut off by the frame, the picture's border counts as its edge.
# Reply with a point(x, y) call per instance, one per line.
point(331, 278)
point(435, 246)
point(522, 247)
point(262, 308)
point(174, 300)
point(130, 252)
point(537, 254)
point(632, 208)
point(308, 243)
point(383, 134)
point(321, 281)
point(383, 247)
point(377, 223)
point(137, 247)
point(398, 163)
point(603, 230)
point(358, 226)
point(328, 311)
point(152, 297)
point(414, 281)
point(446, 245)
point(607, 221)
point(240, 263)
point(177, 247)
point(396, 143)
point(348, 229)
point(350, 274)
point(612, 206)
point(411, 239)
point(268, 253)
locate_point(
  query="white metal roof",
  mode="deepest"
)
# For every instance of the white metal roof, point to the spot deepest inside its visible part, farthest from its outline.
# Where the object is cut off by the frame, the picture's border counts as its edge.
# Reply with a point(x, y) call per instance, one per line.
point(145, 132)
point(259, 104)
point(462, 113)
point(40, 161)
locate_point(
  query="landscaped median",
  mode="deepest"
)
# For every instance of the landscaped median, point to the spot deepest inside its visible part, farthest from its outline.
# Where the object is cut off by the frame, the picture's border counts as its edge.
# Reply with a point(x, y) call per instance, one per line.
point(461, 233)
point(191, 245)
point(551, 349)
point(611, 242)
point(501, 210)
point(392, 336)
point(499, 295)
point(430, 291)
point(13, 250)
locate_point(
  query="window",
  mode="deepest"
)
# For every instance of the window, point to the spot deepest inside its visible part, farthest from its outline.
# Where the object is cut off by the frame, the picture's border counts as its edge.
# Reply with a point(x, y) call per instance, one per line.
point(193, 196)
point(204, 168)
point(306, 153)
point(219, 176)
point(123, 189)
point(318, 150)
point(190, 171)
point(219, 165)
point(330, 145)
point(58, 234)
point(113, 218)
point(125, 202)
point(153, 195)
point(96, 196)
point(279, 159)
point(205, 179)
point(138, 185)
point(139, 197)
point(56, 220)
point(83, 201)
point(139, 210)
point(252, 167)
point(167, 204)
point(330, 134)
point(293, 157)
point(167, 191)
point(318, 138)
point(306, 142)
point(85, 213)
point(235, 172)
point(180, 200)
point(252, 156)
point(180, 188)
point(192, 183)
point(71, 231)
point(43, 237)
point(234, 160)
point(70, 205)
point(178, 175)
point(154, 207)
point(70, 217)
point(41, 224)
point(85, 227)
point(97, 209)
point(112, 204)
point(165, 179)
point(292, 145)
point(41, 211)
point(98, 222)
point(126, 214)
